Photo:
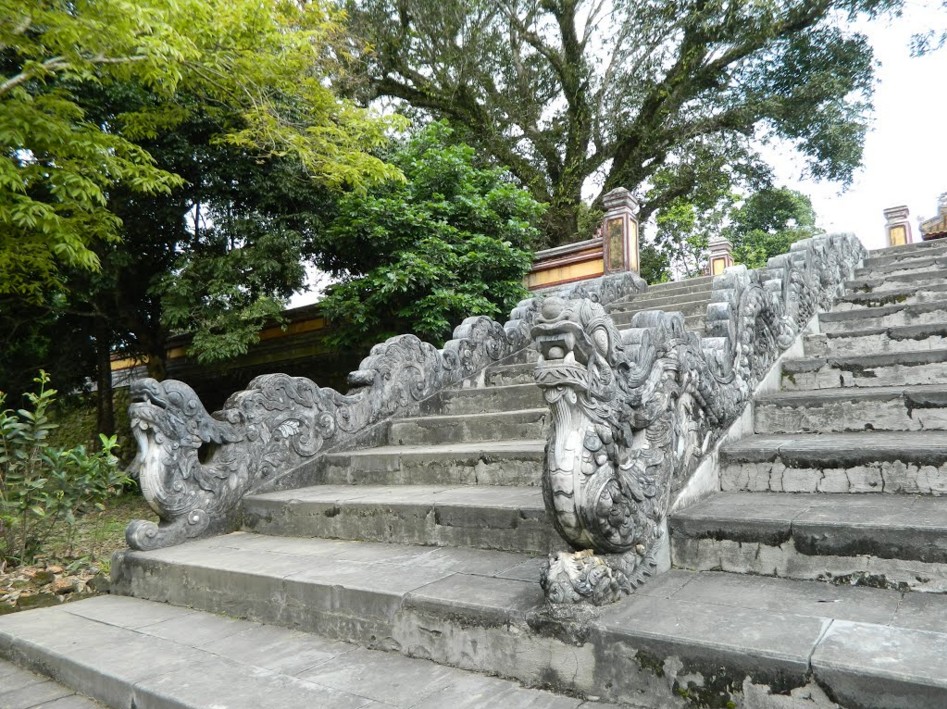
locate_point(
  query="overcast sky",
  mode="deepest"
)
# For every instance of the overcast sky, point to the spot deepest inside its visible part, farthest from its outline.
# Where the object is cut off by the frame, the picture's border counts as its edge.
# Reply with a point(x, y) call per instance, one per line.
point(905, 159)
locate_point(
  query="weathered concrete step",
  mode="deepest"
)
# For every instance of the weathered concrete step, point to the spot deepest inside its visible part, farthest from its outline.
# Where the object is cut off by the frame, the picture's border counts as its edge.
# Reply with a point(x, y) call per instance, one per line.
point(688, 309)
point(884, 316)
point(453, 402)
point(853, 409)
point(134, 653)
point(647, 301)
point(907, 294)
point(909, 250)
point(895, 542)
point(469, 428)
point(488, 613)
point(913, 462)
point(22, 689)
point(920, 262)
point(891, 369)
point(890, 281)
point(510, 375)
point(485, 517)
point(877, 340)
point(479, 463)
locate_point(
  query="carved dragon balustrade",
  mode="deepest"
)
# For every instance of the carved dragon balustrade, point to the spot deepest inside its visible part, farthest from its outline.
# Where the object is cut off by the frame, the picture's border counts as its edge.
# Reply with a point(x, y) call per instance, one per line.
point(195, 467)
point(634, 411)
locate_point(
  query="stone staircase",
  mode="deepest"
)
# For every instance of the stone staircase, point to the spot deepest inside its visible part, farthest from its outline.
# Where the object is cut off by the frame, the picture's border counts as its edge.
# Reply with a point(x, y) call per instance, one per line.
point(789, 590)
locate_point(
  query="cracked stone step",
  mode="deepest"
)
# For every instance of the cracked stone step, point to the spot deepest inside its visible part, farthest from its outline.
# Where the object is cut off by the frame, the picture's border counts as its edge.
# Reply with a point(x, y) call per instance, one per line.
point(884, 316)
point(897, 542)
point(452, 402)
point(913, 463)
point(907, 294)
point(516, 462)
point(483, 517)
point(853, 409)
point(877, 340)
point(892, 281)
point(647, 301)
point(469, 428)
point(890, 369)
point(485, 611)
point(134, 653)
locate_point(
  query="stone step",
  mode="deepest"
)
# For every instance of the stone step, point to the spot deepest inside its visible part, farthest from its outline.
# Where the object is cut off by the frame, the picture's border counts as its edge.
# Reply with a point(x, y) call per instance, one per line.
point(22, 689)
point(890, 369)
point(693, 286)
point(480, 463)
point(689, 309)
point(892, 281)
point(486, 517)
point(877, 340)
point(853, 409)
point(897, 542)
point(511, 374)
point(134, 653)
point(454, 402)
point(913, 463)
point(660, 302)
point(920, 261)
point(909, 250)
point(469, 428)
point(696, 633)
point(906, 294)
point(900, 314)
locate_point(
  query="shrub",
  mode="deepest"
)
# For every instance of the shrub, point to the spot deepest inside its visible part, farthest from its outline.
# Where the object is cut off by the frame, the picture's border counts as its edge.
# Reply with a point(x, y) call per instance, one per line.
point(42, 486)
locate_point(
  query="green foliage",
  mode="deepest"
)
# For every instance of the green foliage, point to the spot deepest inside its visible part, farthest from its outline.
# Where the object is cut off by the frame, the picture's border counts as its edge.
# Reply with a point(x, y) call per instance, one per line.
point(655, 265)
point(264, 66)
point(419, 255)
point(768, 223)
point(563, 90)
point(41, 486)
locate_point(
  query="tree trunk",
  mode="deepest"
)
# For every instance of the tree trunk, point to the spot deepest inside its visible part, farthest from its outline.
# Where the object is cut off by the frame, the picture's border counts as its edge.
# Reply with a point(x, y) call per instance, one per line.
point(105, 414)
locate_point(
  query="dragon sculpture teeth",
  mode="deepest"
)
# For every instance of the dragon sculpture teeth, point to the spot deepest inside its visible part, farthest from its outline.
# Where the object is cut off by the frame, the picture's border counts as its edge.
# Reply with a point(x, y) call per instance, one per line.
point(634, 412)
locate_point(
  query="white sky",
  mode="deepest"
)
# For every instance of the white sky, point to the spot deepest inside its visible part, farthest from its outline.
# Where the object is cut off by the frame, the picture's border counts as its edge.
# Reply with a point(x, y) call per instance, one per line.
point(905, 159)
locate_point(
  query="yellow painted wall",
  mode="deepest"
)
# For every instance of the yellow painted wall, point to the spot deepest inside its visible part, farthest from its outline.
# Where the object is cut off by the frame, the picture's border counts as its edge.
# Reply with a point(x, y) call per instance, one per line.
point(560, 274)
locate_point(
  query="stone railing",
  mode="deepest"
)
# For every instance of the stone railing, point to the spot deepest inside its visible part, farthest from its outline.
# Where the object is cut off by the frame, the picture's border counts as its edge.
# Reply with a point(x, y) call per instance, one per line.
point(634, 412)
point(194, 467)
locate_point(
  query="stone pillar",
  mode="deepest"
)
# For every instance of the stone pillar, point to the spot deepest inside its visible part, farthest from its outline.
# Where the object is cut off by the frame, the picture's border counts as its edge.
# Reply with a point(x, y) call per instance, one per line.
point(721, 256)
point(897, 226)
point(620, 231)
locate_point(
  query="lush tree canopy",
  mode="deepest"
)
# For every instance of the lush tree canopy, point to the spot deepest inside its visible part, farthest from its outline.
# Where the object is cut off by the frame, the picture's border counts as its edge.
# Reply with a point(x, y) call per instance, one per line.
point(562, 91)
point(768, 223)
point(420, 255)
point(265, 62)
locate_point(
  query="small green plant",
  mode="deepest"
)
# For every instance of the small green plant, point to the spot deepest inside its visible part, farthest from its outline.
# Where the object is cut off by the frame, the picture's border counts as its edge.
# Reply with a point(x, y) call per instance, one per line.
point(42, 486)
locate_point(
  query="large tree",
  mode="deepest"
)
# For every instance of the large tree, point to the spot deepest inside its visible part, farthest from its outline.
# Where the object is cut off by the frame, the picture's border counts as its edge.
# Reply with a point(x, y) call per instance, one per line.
point(563, 91)
point(453, 239)
point(767, 224)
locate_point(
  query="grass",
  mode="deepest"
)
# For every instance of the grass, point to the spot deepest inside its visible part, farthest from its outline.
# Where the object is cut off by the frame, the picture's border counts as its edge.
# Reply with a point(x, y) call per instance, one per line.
point(74, 562)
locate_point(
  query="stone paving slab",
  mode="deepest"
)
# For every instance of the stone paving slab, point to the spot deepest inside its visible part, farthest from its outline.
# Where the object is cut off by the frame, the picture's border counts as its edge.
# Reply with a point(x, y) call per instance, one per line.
point(934, 311)
point(229, 663)
point(890, 526)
